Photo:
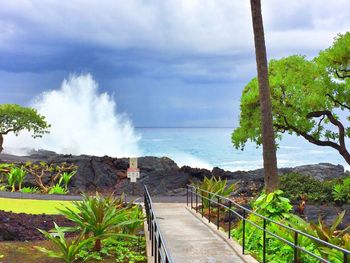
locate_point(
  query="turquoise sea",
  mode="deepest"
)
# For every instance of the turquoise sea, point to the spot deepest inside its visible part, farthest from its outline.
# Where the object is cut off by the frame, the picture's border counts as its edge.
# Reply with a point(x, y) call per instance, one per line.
point(210, 147)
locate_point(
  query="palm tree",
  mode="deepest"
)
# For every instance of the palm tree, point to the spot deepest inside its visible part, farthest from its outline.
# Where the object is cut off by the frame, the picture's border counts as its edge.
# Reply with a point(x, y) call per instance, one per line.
point(269, 147)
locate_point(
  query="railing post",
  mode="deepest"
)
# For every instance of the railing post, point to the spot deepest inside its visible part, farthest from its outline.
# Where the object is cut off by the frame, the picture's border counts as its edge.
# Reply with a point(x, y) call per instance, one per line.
point(229, 219)
point(155, 246)
point(191, 199)
point(295, 247)
point(209, 206)
point(218, 215)
point(159, 247)
point(345, 257)
point(187, 195)
point(196, 200)
point(264, 241)
point(243, 238)
point(152, 235)
point(202, 204)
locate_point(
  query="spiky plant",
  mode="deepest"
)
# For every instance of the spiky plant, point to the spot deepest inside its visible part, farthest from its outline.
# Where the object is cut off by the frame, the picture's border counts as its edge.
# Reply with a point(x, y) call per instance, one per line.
point(67, 249)
point(98, 216)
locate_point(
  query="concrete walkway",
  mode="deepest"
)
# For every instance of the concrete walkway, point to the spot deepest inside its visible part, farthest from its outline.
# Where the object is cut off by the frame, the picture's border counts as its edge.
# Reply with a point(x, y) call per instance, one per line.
point(189, 239)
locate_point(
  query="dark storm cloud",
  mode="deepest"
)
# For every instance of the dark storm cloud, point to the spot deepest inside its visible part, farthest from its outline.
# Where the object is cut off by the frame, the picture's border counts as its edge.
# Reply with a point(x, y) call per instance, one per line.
point(168, 63)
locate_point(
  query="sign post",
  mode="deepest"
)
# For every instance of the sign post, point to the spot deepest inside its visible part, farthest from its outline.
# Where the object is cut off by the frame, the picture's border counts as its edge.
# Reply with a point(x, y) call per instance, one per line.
point(133, 173)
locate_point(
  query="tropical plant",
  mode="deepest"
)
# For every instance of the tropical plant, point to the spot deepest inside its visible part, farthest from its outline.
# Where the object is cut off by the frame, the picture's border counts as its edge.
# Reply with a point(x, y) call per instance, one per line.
point(216, 186)
point(330, 234)
point(30, 190)
point(20, 175)
point(57, 190)
point(136, 215)
point(310, 98)
point(337, 256)
point(98, 216)
point(68, 249)
point(65, 179)
point(120, 248)
point(14, 118)
point(341, 191)
point(279, 251)
point(12, 178)
point(272, 205)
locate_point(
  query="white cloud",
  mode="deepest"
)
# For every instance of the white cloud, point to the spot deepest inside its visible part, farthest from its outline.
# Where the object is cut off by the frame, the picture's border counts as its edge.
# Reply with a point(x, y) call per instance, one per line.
point(201, 26)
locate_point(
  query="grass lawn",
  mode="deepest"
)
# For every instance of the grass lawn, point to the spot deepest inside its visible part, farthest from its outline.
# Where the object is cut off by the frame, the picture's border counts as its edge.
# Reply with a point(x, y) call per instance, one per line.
point(30, 206)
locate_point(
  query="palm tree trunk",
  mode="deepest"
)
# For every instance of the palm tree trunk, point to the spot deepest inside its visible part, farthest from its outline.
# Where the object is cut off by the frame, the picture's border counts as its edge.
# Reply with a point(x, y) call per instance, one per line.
point(1, 142)
point(269, 147)
point(97, 246)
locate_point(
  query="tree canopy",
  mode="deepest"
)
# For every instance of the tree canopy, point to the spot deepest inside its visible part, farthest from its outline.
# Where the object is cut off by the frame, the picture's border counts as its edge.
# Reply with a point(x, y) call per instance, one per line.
point(15, 118)
point(310, 98)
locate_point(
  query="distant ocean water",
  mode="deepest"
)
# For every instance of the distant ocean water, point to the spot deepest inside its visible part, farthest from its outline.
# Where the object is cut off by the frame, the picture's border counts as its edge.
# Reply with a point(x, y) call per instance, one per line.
point(210, 147)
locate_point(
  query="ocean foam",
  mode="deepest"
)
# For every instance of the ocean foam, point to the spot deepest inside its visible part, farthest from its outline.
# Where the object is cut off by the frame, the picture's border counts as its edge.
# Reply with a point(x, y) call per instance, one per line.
point(83, 121)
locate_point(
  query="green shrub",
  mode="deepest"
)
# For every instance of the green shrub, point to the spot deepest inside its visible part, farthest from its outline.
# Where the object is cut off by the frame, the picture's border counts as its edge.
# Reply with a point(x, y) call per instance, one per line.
point(99, 216)
point(67, 249)
point(272, 205)
point(215, 186)
point(30, 190)
point(278, 208)
point(295, 185)
point(57, 190)
point(341, 191)
point(16, 176)
point(65, 179)
point(121, 248)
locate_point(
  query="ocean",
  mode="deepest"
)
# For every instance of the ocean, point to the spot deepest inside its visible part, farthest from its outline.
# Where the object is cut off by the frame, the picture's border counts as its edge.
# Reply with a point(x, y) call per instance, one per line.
point(210, 147)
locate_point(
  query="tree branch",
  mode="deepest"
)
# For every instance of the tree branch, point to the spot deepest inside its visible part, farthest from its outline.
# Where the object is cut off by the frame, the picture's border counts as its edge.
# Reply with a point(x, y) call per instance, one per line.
point(337, 102)
point(10, 130)
point(307, 136)
point(345, 73)
point(333, 120)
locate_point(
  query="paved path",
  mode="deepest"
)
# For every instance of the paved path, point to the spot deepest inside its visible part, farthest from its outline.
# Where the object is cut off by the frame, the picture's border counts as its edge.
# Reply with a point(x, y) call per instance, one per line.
point(189, 239)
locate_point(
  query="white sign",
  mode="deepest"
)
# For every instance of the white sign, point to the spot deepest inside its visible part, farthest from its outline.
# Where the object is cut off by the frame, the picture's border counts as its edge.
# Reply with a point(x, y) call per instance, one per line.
point(133, 174)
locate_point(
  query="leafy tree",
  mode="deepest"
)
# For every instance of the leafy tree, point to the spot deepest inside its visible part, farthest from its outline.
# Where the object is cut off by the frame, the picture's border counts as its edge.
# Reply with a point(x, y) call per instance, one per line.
point(310, 98)
point(267, 132)
point(14, 118)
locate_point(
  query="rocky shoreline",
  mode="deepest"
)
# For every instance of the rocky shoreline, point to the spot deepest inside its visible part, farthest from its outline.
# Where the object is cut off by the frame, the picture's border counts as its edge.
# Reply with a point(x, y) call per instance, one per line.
point(161, 175)
point(167, 181)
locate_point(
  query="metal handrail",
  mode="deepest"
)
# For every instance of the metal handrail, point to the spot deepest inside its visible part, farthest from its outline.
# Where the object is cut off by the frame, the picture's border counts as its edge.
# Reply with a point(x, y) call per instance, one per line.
point(191, 189)
point(159, 249)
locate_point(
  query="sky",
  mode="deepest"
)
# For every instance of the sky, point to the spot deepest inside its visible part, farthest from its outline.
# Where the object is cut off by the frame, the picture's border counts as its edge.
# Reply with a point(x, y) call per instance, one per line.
point(166, 62)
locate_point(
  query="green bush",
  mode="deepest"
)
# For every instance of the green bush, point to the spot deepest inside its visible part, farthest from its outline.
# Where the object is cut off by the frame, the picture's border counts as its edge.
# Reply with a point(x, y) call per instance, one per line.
point(121, 248)
point(295, 185)
point(105, 226)
point(16, 176)
point(57, 190)
point(215, 186)
point(99, 216)
point(65, 179)
point(341, 191)
point(278, 208)
point(30, 190)
point(67, 249)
